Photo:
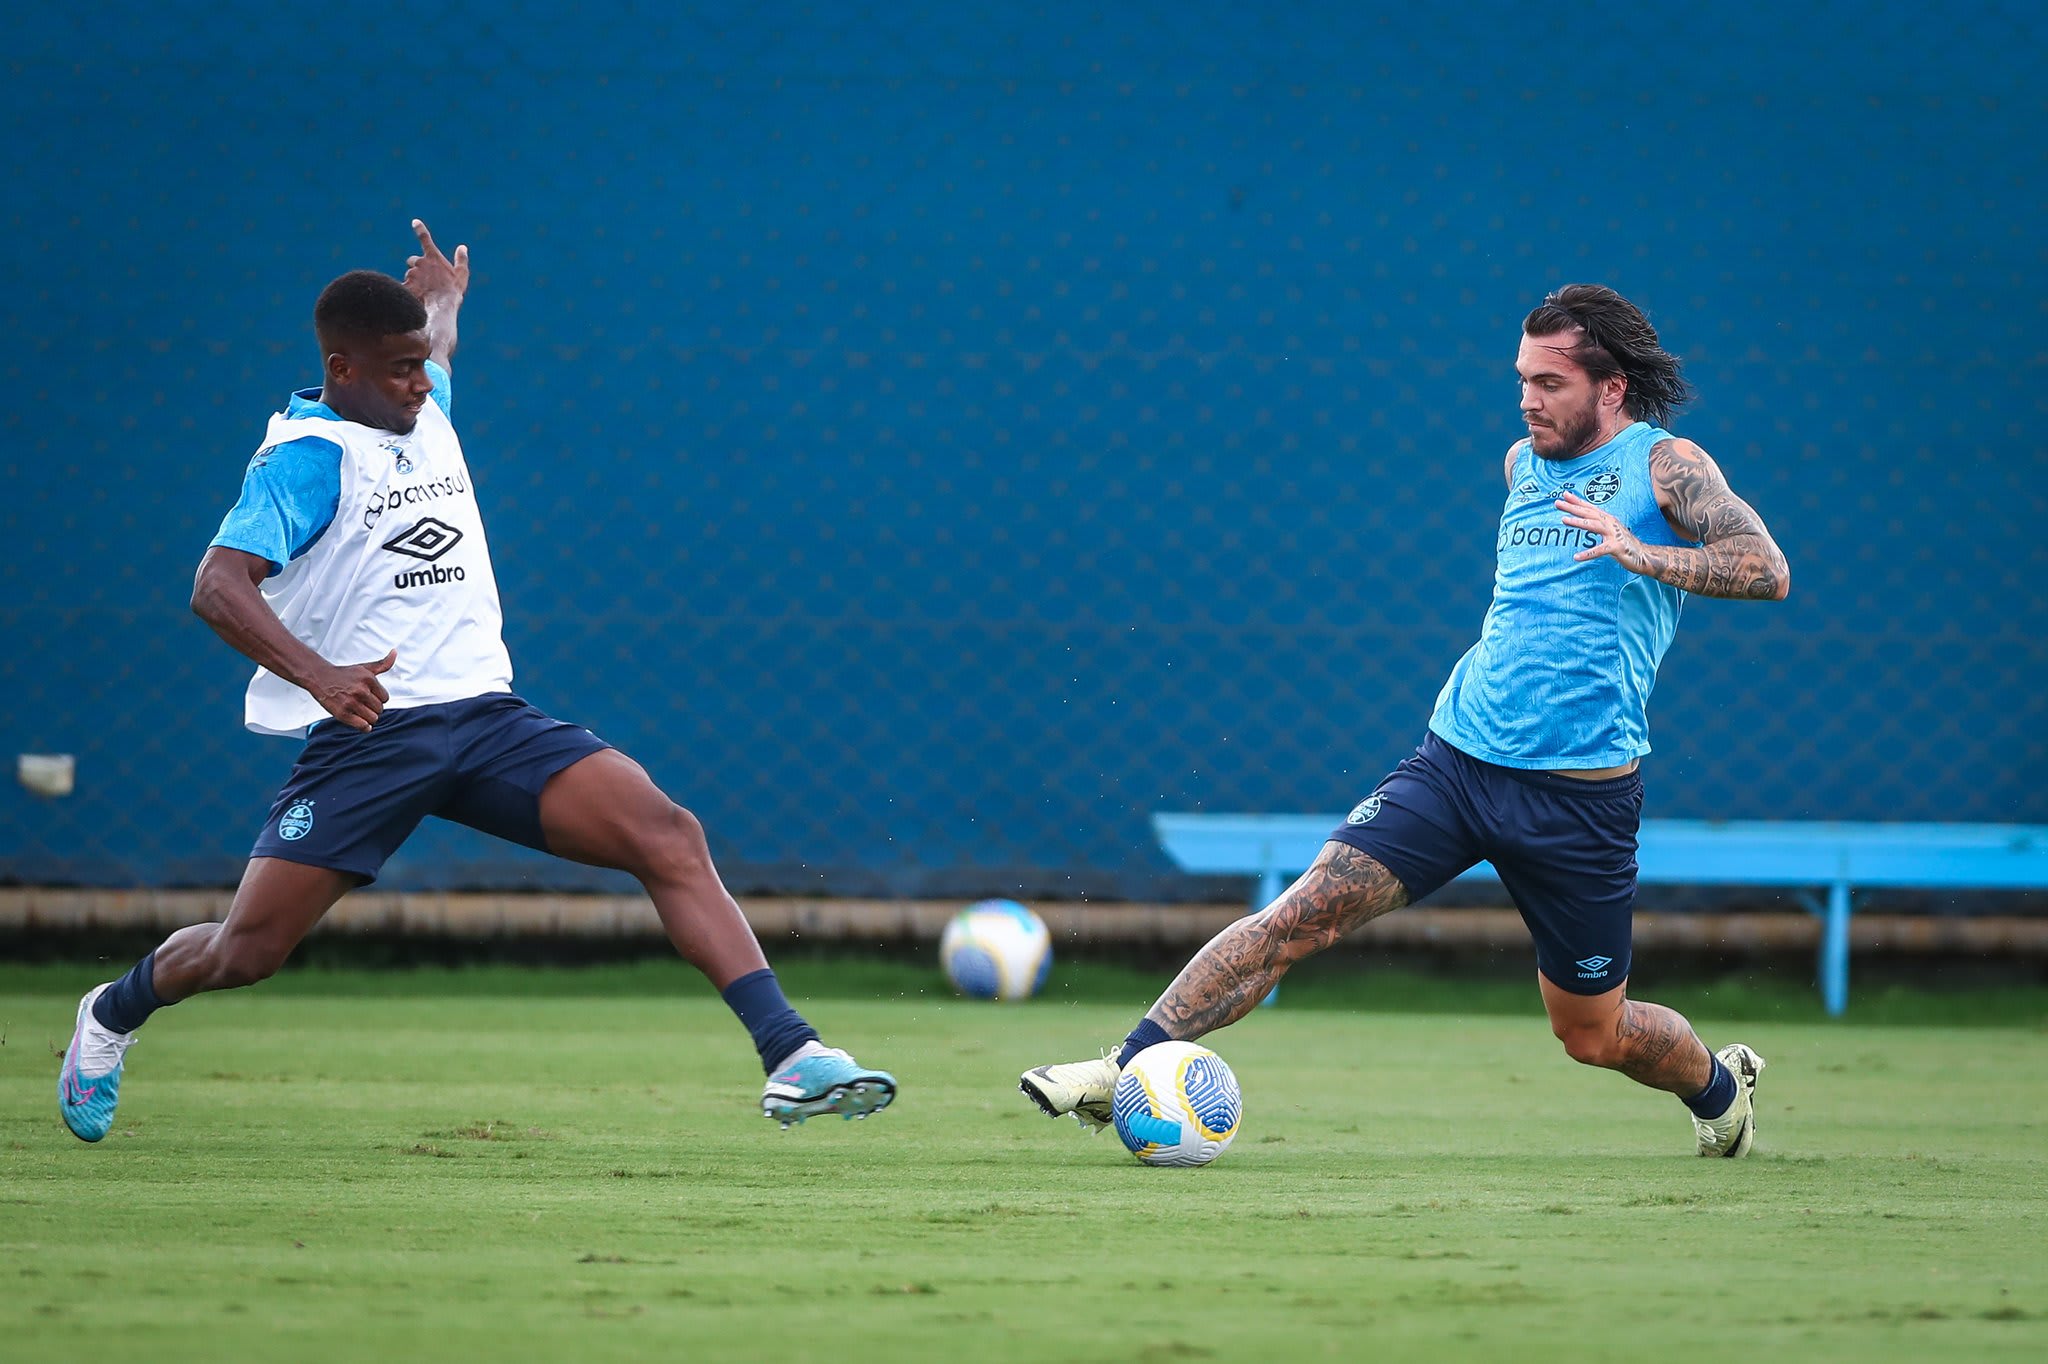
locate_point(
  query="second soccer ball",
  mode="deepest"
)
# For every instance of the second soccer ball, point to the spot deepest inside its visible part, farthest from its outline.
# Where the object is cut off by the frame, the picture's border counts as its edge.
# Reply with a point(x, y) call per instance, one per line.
point(996, 949)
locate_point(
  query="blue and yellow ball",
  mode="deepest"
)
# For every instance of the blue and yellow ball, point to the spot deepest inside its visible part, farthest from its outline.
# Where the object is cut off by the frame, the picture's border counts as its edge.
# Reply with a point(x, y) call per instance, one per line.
point(996, 949)
point(1177, 1104)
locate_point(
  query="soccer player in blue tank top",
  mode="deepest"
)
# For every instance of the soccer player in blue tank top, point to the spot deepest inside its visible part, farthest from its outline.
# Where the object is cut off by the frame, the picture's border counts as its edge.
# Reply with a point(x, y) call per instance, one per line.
point(357, 537)
point(1530, 760)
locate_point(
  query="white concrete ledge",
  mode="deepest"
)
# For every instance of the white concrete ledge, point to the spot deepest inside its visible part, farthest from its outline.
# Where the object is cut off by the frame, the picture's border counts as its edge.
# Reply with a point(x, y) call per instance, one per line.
point(31, 910)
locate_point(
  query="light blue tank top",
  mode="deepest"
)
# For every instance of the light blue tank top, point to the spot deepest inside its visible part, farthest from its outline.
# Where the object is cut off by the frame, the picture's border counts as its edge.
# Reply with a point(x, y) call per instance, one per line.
point(1561, 675)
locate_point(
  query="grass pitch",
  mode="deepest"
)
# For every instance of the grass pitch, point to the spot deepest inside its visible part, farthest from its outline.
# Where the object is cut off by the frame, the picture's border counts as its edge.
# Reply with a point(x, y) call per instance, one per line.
point(533, 1165)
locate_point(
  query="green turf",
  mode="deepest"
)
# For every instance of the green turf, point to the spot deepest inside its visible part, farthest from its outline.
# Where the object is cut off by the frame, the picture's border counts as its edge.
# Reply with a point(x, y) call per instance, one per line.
point(529, 1165)
point(1336, 980)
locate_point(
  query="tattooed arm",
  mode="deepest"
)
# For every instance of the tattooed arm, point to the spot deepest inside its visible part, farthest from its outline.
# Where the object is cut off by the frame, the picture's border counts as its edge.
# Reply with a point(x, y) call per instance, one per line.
point(1240, 965)
point(1736, 556)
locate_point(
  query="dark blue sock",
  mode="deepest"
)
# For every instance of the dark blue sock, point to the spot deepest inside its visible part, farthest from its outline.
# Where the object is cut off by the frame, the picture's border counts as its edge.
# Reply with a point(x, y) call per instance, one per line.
point(1146, 1034)
point(776, 1028)
point(124, 1005)
point(1713, 1101)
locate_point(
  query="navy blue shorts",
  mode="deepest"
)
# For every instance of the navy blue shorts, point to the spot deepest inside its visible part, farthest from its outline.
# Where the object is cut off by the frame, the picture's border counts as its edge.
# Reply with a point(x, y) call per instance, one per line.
point(1564, 848)
point(355, 795)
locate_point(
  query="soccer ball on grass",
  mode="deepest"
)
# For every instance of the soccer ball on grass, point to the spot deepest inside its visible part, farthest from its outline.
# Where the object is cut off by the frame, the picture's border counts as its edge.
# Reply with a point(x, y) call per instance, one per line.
point(1177, 1104)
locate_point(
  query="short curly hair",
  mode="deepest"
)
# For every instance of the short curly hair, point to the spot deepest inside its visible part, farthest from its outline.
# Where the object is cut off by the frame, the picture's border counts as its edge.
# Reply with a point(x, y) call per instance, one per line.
point(364, 304)
point(1615, 338)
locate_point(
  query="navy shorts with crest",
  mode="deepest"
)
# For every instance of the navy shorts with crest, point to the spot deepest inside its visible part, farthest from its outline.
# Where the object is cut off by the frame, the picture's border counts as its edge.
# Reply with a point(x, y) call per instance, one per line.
point(355, 795)
point(1565, 849)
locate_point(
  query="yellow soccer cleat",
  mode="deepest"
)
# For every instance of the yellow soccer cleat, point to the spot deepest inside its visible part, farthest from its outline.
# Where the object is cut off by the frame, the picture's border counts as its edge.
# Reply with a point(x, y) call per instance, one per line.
point(1086, 1089)
point(1732, 1133)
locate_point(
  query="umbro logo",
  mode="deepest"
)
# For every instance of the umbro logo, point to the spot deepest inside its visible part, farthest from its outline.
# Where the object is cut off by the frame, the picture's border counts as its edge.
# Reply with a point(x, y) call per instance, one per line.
point(429, 539)
point(1593, 968)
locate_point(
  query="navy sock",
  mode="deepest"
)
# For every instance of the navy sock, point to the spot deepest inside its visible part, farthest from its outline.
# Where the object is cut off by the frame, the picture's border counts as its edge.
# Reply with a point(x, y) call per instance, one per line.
point(1713, 1101)
point(1146, 1034)
point(776, 1028)
point(124, 1005)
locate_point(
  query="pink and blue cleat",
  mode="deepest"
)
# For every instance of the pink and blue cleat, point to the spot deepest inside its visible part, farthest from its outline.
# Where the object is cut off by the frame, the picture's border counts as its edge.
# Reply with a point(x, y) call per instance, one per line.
point(90, 1084)
point(817, 1079)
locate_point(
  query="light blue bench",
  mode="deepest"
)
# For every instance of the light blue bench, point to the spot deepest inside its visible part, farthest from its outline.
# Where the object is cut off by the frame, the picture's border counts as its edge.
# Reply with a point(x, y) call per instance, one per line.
point(1837, 859)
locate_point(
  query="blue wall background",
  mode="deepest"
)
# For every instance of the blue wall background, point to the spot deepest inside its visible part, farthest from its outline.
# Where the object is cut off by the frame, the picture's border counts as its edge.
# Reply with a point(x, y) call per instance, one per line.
point(932, 436)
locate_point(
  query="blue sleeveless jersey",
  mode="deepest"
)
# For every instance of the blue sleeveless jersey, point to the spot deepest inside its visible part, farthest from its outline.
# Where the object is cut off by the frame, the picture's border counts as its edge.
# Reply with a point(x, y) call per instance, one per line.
point(1561, 675)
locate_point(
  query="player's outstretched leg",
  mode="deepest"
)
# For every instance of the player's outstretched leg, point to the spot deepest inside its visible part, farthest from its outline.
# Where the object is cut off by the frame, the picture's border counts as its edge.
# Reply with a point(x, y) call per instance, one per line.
point(1230, 975)
point(276, 905)
point(1655, 1046)
point(604, 810)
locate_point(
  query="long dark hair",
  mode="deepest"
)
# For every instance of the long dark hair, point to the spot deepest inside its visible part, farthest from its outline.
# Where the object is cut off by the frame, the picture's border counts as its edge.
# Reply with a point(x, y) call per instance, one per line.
point(1615, 338)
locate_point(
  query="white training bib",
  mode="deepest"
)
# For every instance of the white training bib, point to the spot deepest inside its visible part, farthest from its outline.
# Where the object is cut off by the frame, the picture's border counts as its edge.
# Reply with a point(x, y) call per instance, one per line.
point(404, 565)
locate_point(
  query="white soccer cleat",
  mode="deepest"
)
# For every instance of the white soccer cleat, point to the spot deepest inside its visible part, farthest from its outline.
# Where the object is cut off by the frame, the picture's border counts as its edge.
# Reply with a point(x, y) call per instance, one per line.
point(89, 1085)
point(1086, 1089)
point(1732, 1133)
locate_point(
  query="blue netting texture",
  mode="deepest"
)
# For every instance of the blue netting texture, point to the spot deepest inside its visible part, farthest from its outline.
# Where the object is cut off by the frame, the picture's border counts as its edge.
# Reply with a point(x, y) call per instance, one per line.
point(931, 437)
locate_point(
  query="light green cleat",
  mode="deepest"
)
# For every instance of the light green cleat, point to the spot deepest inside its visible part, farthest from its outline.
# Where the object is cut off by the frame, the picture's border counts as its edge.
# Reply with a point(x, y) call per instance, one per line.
point(1086, 1089)
point(1733, 1133)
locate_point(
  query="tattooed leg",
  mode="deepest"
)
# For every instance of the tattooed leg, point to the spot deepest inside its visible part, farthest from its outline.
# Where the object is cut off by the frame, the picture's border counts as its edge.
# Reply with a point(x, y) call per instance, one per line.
point(1649, 1043)
point(1240, 965)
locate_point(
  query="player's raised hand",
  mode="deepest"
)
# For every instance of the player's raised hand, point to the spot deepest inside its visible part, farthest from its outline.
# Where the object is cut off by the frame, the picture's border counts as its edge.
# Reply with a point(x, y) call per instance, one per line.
point(1617, 541)
point(432, 276)
point(352, 694)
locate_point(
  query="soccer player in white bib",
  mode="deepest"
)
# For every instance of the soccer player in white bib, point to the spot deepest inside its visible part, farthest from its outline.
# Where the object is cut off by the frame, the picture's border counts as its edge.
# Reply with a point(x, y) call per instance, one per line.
point(1531, 758)
point(355, 574)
